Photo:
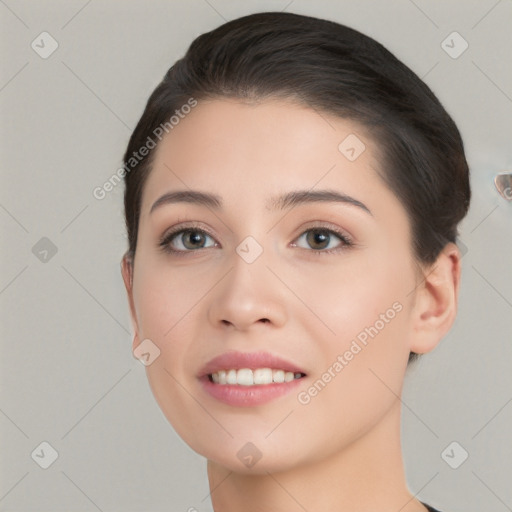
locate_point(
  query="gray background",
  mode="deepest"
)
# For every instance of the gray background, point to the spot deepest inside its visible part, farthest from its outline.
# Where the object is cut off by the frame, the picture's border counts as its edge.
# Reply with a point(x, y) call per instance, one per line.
point(67, 373)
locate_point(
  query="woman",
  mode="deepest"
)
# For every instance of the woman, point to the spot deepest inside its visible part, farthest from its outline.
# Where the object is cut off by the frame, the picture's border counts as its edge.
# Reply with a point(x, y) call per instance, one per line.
point(292, 199)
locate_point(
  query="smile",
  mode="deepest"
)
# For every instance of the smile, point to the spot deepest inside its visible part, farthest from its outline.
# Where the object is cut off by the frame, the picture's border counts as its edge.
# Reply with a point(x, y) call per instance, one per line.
point(248, 379)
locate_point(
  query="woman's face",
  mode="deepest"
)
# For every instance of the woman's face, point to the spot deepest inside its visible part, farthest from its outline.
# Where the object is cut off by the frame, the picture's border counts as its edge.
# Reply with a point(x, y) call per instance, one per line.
point(255, 284)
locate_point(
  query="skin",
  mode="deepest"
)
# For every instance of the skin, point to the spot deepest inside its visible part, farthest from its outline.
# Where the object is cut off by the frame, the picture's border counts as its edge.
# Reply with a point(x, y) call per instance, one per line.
point(341, 451)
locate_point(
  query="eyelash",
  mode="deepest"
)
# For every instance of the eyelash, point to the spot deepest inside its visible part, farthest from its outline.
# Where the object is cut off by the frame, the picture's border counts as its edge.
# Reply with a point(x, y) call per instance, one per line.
point(167, 238)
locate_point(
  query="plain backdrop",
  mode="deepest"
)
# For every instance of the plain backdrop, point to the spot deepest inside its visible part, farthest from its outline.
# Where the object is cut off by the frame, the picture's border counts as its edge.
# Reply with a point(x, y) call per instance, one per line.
point(68, 377)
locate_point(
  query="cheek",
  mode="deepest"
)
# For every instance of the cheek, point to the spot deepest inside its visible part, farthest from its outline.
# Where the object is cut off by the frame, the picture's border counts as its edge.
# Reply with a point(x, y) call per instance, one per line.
point(165, 299)
point(163, 296)
point(366, 307)
point(371, 326)
point(357, 292)
point(163, 303)
point(170, 301)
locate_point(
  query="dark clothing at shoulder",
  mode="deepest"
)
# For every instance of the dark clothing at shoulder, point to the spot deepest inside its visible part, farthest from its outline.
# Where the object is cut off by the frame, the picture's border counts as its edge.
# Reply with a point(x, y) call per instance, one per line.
point(430, 509)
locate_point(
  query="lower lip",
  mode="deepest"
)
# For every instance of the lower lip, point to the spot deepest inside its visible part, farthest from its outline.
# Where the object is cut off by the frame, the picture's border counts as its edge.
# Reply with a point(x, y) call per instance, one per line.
point(248, 396)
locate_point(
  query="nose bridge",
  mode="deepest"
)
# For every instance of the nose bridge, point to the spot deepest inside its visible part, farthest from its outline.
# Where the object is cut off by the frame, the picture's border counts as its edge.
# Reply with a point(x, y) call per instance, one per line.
point(248, 278)
point(251, 253)
point(247, 294)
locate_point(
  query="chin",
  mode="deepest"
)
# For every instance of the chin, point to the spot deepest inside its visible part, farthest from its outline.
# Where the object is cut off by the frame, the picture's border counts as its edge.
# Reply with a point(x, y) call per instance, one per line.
point(268, 463)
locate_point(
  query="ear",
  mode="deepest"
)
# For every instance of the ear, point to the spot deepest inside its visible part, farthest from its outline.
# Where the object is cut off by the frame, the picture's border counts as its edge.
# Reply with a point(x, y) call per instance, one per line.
point(127, 273)
point(436, 300)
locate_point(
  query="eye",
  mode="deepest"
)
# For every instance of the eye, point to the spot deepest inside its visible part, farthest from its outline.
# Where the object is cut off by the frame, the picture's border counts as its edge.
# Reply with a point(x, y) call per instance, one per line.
point(185, 240)
point(323, 240)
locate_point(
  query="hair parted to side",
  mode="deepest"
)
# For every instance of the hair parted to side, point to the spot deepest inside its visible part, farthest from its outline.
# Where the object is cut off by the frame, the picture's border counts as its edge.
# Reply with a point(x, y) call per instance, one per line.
point(337, 70)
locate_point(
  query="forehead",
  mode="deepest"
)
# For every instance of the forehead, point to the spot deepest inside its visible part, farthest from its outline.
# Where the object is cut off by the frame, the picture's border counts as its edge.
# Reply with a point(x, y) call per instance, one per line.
point(248, 149)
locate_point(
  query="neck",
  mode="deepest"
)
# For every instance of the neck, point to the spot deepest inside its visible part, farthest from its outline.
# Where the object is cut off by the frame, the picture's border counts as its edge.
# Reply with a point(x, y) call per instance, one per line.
point(365, 476)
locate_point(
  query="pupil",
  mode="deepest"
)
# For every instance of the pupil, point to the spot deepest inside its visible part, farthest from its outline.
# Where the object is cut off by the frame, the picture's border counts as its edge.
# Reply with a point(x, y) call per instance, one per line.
point(194, 238)
point(318, 237)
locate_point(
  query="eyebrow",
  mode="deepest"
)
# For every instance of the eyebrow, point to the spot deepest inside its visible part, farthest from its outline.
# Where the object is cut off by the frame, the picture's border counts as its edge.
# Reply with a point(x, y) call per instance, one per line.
point(293, 198)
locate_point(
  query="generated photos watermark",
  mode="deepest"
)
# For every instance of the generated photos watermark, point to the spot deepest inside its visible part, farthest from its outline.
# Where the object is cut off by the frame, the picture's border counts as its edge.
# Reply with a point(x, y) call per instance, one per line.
point(357, 345)
point(101, 192)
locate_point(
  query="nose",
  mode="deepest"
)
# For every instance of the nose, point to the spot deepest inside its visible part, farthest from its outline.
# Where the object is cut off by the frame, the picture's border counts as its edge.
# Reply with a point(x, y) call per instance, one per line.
point(249, 295)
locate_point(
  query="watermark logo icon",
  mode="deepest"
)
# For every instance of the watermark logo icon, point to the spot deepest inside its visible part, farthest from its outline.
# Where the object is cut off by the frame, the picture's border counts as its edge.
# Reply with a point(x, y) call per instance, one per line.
point(463, 248)
point(249, 454)
point(454, 455)
point(351, 147)
point(44, 250)
point(44, 455)
point(454, 45)
point(146, 352)
point(249, 249)
point(44, 45)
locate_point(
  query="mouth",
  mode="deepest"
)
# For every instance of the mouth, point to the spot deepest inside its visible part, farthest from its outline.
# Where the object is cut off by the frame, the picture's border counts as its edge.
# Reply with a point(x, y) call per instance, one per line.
point(248, 379)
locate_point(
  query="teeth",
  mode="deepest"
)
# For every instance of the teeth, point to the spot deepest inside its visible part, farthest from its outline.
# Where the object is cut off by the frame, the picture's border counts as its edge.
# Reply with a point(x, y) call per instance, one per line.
point(258, 377)
point(244, 377)
point(231, 377)
point(288, 376)
point(262, 376)
point(278, 376)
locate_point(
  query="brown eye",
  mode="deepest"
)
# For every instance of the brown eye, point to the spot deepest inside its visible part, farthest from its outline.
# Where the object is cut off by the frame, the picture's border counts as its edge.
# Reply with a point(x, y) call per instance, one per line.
point(186, 240)
point(322, 240)
point(192, 239)
point(318, 239)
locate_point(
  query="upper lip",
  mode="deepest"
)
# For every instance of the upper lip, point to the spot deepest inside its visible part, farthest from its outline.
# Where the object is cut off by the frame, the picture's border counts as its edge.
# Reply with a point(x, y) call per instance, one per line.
point(252, 360)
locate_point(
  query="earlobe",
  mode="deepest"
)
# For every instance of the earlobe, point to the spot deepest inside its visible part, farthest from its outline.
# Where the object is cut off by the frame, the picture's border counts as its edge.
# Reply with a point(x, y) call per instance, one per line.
point(436, 300)
point(127, 273)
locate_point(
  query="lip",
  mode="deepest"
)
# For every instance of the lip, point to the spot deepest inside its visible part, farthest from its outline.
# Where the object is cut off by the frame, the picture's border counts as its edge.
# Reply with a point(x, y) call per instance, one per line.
point(248, 396)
